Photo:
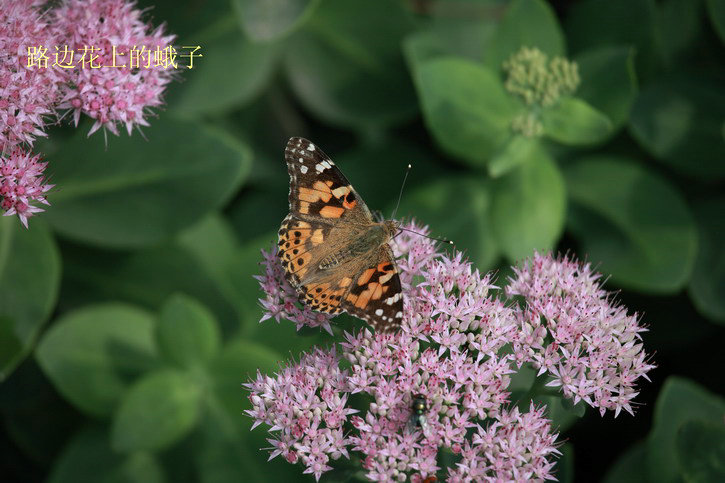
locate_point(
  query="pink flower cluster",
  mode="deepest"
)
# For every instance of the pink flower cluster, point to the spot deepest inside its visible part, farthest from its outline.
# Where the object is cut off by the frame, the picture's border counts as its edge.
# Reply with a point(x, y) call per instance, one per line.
point(27, 95)
point(112, 95)
point(571, 329)
point(30, 94)
point(21, 182)
point(462, 338)
point(305, 406)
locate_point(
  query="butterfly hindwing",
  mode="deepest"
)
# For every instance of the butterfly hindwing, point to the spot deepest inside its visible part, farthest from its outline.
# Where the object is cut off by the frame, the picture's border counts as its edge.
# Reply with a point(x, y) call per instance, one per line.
point(376, 293)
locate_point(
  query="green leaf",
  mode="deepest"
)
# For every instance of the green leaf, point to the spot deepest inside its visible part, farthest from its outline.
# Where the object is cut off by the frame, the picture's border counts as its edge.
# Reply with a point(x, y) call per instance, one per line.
point(156, 412)
point(701, 451)
point(632, 221)
point(519, 150)
point(528, 207)
point(680, 122)
point(679, 28)
point(679, 401)
point(88, 457)
point(562, 413)
point(465, 107)
point(135, 192)
point(629, 468)
point(469, 229)
point(29, 280)
point(608, 81)
point(707, 286)
point(232, 72)
point(716, 11)
point(602, 23)
point(91, 355)
point(347, 75)
point(564, 470)
point(527, 23)
point(237, 364)
point(187, 333)
point(265, 20)
point(573, 121)
point(144, 277)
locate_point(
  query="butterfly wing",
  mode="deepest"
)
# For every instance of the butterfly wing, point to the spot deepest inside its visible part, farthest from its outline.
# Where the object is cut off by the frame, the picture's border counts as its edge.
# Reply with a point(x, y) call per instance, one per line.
point(326, 213)
point(376, 294)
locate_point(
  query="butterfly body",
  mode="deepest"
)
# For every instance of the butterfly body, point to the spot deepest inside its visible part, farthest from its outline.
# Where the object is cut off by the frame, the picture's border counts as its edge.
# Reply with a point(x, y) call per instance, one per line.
point(334, 253)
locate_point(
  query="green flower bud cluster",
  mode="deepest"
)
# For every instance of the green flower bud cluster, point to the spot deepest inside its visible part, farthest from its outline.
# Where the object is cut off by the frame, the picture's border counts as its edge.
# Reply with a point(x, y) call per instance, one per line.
point(527, 125)
point(538, 80)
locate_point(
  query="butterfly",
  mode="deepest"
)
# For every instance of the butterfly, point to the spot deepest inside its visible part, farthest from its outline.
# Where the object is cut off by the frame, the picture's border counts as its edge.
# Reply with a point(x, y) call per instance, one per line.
point(334, 253)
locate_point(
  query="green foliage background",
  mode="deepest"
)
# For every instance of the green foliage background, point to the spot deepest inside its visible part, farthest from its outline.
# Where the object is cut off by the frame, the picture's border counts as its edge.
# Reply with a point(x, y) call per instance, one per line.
point(128, 312)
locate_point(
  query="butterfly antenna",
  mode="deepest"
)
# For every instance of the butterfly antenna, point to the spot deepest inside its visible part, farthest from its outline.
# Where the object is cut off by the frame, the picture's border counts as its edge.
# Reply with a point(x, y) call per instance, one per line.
point(400, 195)
point(442, 240)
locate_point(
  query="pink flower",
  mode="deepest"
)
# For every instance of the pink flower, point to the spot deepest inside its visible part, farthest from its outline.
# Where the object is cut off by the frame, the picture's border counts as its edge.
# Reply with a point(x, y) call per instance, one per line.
point(112, 95)
point(305, 407)
point(461, 340)
point(571, 328)
point(281, 299)
point(21, 183)
point(27, 94)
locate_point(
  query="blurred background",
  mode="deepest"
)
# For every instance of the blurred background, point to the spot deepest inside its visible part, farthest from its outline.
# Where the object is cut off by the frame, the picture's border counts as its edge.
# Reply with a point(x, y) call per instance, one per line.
point(624, 170)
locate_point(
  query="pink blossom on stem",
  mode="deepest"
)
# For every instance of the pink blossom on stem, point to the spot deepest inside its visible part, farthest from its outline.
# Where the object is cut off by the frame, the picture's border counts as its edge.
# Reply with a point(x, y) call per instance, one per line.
point(21, 184)
point(28, 94)
point(571, 328)
point(305, 408)
point(112, 95)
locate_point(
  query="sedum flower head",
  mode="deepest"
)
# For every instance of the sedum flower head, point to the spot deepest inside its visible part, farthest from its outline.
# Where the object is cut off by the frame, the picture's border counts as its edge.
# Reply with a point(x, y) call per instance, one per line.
point(304, 406)
point(538, 81)
point(27, 94)
point(21, 184)
point(112, 95)
point(461, 339)
point(571, 329)
point(449, 351)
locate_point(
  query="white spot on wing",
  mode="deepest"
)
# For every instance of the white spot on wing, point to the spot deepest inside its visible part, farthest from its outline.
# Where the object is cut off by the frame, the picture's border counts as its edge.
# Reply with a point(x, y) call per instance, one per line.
point(311, 147)
point(303, 169)
point(379, 312)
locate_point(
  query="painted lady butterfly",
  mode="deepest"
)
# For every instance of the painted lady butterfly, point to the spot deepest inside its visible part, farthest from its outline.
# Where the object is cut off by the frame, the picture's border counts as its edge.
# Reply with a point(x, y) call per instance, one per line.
point(333, 252)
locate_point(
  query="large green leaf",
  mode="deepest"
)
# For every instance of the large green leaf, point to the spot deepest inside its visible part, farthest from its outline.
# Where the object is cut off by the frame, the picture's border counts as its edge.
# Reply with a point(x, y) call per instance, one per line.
point(187, 334)
point(632, 221)
point(716, 11)
point(701, 451)
point(265, 20)
point(29, 279)
point(608, 81)
point(629, 468)
point(88, 457)
point(465, 107)
point(231, 73)
point(602, 23)
point(527, 23)
point(680, 122)
point(133, 192)
point(528, 207)
point(679, 401)
point(156, 412)
point(237, 364)
point(469, 228)
point(92, 354)
point(144, 277)
point(707, 286)
point(346, 71)
point(573, 121)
